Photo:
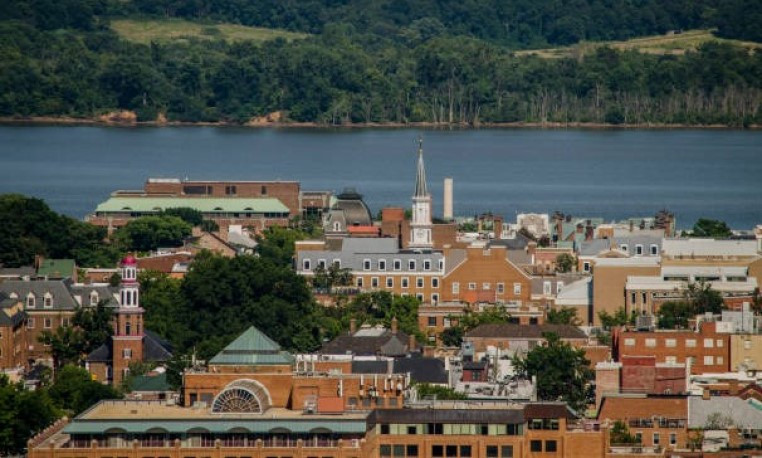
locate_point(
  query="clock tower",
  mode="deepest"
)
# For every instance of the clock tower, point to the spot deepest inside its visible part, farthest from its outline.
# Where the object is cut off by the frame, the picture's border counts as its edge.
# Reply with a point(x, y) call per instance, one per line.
point(420, 226)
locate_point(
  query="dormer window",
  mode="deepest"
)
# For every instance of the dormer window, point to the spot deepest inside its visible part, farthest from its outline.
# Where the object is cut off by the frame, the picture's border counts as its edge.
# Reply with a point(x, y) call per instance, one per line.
point(654, 249)
point(382, 264)
point(31, 301)
point(638, 250)
point(427, 264)
point(94, 298)
point(411, 264)
point(47, 301)
point(306, 264)
point(366, 264)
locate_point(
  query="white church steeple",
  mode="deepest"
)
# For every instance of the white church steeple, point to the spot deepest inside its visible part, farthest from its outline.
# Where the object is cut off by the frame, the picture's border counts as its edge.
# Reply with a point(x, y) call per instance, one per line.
point(420, 226)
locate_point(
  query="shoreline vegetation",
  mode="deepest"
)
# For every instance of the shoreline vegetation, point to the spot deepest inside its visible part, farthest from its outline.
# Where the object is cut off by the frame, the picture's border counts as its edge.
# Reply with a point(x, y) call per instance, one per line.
point(129, 120)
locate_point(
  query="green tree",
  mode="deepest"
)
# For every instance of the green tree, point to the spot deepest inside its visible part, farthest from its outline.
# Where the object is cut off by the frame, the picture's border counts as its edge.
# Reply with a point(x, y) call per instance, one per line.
point(618, 318)
point(23, 414)
point(453, 336)
point(74, 390)
point(563, 373)
point(65, 345)
point(620, 434)
point(427, 390)
point(161, 298)
point(151, 232)
point(187, 214)
point(175, 368)
point(702, 298)
point(208, 225)
point(91, 328)
point(563, 315)
point(674, 315)
point(565, 262)
point(711, 228)
point(278, 244)
point(380, 307)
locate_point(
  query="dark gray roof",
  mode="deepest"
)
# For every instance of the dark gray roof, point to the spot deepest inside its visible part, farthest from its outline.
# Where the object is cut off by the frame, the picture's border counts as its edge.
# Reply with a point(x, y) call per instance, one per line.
point(519, 242)
point(7, 319)
point(385, 344)
point(525, 331)
point(18, 272)
point(58, 289)
point(474, 365)
point(423, 370)
point(154, 349)
point(461, 415)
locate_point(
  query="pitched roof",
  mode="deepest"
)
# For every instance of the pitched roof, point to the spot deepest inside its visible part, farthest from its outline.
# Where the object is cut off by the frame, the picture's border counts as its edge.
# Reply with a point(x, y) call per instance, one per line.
point(745, 413)
point(252, 347)
point(58, 289)
point(150, 383)
point(202, 204)
point(154, 349)
point(383, 343)
point(526, 331)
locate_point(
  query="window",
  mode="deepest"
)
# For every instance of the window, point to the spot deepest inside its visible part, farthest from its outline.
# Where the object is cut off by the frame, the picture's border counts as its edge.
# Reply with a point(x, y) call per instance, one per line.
point(629, 342)
point(638, 437)
point(374, 282)
point(486, 286)
point(411, 264)
point(633, 298)
point(435, 282)
point(47, 301)
point(66, 321)
point(638, 250)
point(708, 360)
point(427, 264)
point(405, 282)
point(650, 343)
point(419, 296)
point(390, 282)
point(747, 344)
point(30, 323)
point(656, 438)
point(419, 282)
point(670, 343)
point(94, 298)
point(492, 451)
point(690, 343)
point(500, 288)
point(654, 249)
point(127, 353)
point(720, 360)
point(559, 286)
point(624, 247)
point(719, 343)
point(644, 296)
point(397, 264)
point(337, 263)
point(366, 264)
point(437, 451)
point(465, 451)
point(382, 264)
point(455, 287)
point(359, 282)
point(432, 321)
point(516, 289)
point(412, 450)
point(230, 190)
point(451, 451)
point(385, 450)
point(127, 329)
point(263, 190)
point(708, 343)
point(670, 359)
point(672, 439)
point(551, 446)
point(586, 266)
point(506, 451)
point(441, 264)
point(306, 264)
point(47, 323)
point(434, 298)
point(321, 263)
point(472, 286)
point(535, 446)
point(546, 288)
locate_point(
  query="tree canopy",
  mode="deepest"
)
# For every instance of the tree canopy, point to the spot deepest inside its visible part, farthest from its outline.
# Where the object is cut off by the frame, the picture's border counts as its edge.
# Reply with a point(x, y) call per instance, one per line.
point(711, 228)
point(151, 232)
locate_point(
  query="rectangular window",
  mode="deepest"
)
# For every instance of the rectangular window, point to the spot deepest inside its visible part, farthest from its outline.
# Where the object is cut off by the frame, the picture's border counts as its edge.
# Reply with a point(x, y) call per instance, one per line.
point(535, 446)
point(434, 298)
point(435, 282)
point(359, 282)
point(517, 289)
point(427, 264)
point(419, 296)
point(651, 343)
point(30, 323)
point(670, 343)
point(654, 250)
point(437, 451)
point(322, 264)
point(546, 288)
point(48, 323)
point(720, 360)
point(633, 298)
point(451, 451)
point(411, 265)
point(412, 450)
point(670, 359)
point(441, 264)
point(405, 282)
point(465, 451)
point(432, 321)
point(127, 353)
point(644, 296)
point(690, 343)
point(374, 282)
point(390, 282)
point(492, 451)
point(419, 282)
point(486, 286)
point(382, 264)
point(500, 288)
point(719, 343)
point(586, 266)
point(638, 250)
point(455, 287)
point(708, 343)
point(559, 286)
point(629, 342)
point(656, 438)
point(551, 446)
point(708, 360)
point(672, 439)
point(385, 450)
point(306, 264)
point(506, 451)
point(472, 286)
point(397, 264)
point(366, 264)
point(398, 451)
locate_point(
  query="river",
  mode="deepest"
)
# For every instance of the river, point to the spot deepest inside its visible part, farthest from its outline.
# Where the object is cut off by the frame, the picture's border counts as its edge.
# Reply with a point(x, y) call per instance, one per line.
point(609, 173)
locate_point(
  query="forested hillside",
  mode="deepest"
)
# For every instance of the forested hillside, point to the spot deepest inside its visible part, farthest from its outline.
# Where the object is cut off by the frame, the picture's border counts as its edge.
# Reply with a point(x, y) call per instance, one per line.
point(381, 61)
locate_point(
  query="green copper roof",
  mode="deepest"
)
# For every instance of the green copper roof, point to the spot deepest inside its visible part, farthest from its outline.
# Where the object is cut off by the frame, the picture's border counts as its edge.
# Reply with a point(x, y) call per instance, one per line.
point(202, 204)
point(150, 383)
point(253, 425)
point(56, 268)
point(252, 347)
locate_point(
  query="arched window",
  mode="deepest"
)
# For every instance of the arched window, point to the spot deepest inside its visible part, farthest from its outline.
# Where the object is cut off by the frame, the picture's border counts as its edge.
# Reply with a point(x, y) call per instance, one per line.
point(242, 396)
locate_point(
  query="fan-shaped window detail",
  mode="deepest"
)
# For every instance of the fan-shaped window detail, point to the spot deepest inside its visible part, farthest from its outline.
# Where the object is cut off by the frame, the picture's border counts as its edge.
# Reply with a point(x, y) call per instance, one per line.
point(242, 396)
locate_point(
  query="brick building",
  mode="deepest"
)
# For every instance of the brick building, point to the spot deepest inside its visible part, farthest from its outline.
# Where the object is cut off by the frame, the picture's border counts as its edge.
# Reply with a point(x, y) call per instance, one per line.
point(656, 420)
point(512, 338)
point(13, 344)
point(704, 350)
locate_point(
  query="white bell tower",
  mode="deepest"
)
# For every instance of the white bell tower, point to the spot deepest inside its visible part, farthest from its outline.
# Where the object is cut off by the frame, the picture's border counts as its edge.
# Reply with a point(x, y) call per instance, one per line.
point(420, 226)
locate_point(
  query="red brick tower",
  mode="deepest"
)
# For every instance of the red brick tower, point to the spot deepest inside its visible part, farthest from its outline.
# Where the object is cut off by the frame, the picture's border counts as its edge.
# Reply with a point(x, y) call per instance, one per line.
point(128, 322)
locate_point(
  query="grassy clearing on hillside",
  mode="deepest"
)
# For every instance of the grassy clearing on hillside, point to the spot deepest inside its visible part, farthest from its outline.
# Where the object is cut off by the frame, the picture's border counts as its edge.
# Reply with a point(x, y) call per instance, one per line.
point(672, 43)
point(145, 31)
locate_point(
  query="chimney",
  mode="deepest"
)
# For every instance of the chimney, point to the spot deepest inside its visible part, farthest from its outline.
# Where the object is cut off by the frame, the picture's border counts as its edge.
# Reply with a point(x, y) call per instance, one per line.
point(411, 344)
point(352, 326)
point(497, 227)
point(706, 395)
point(447, 201)
point(394, 325)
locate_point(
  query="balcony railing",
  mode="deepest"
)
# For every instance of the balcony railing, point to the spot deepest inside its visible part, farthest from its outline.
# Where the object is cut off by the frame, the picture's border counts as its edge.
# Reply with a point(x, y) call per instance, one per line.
point(211, 442)
point(635, 450)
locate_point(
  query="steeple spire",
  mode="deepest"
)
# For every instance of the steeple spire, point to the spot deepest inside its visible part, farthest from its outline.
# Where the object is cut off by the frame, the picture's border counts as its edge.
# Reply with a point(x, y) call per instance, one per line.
point(421, 190)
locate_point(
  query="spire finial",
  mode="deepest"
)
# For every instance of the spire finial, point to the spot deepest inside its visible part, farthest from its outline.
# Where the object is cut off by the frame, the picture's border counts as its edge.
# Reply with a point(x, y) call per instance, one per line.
point(421, 190)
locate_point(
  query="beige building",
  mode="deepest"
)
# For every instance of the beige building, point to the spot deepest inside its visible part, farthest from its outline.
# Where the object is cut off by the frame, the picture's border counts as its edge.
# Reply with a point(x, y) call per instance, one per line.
point(610, 278)
point(745, 351)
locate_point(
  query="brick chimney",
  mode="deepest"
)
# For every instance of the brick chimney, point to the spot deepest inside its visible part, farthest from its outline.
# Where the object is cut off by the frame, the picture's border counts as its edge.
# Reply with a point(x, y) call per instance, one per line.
point(497, 227)
point(352, 326)
point(394, 325)
point(411, 344)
